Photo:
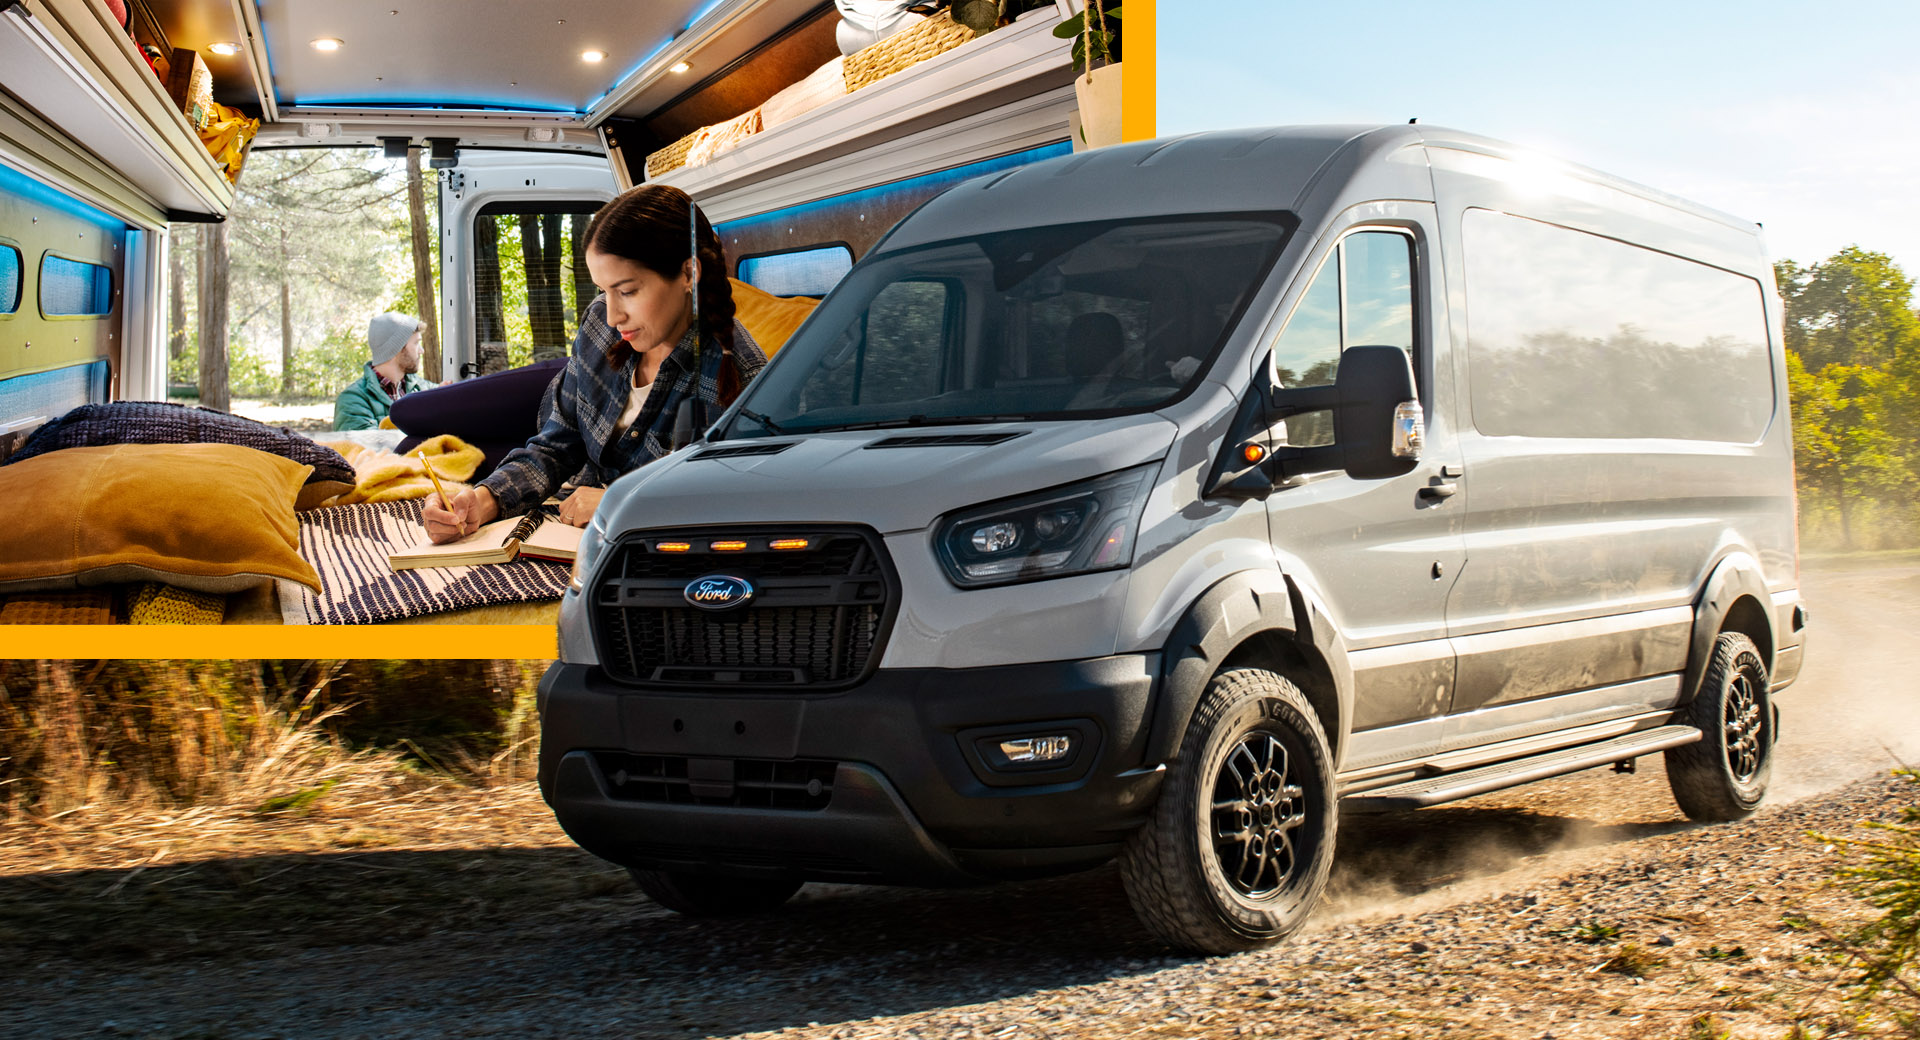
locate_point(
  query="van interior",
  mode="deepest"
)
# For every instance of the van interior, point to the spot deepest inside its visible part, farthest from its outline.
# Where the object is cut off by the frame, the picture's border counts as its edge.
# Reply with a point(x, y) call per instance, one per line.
point(128, 129)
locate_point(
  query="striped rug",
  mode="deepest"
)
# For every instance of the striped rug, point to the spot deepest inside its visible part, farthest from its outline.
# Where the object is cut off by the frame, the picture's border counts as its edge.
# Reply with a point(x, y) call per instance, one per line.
point(348, 545)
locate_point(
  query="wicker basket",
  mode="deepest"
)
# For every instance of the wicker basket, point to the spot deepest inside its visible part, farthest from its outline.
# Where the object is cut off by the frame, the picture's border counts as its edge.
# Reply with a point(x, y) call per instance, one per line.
point(672, 157)
point(935, 35)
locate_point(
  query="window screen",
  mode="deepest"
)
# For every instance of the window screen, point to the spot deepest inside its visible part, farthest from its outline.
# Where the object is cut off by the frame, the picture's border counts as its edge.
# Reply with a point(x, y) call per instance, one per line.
point(9, 279)
point(74, 287)
point(530, 277)
point(1575, 335)
point(805, 272)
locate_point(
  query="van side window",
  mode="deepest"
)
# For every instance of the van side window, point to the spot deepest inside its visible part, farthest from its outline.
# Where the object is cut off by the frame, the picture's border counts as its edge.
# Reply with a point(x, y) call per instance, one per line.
point(1363, 296)
point(74, 288)
point(1573, 335)
point(9, 279)
point(907, 326)
point(802, 272)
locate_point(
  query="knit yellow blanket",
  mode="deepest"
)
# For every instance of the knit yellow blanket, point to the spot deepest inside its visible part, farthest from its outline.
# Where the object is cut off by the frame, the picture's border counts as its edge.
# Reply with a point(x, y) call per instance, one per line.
point(382, 476)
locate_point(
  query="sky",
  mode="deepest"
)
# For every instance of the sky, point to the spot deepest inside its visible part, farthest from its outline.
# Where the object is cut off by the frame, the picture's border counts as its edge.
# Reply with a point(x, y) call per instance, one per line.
point(1805, 118)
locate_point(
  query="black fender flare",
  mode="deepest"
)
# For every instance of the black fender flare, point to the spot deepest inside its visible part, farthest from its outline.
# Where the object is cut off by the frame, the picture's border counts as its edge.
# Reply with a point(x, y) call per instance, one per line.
point(1737, 575)
point(1223, 619)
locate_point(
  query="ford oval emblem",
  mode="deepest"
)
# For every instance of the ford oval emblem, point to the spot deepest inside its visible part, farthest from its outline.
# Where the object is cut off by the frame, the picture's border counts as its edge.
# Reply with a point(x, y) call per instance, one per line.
point(719, 592)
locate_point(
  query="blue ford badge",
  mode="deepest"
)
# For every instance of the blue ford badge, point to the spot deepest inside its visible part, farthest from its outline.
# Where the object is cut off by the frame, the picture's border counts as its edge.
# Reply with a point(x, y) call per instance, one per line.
point(718, 592)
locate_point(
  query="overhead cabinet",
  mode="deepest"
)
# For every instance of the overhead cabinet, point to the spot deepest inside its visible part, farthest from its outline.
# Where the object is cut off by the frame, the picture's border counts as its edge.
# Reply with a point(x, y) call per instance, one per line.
point(80, 109)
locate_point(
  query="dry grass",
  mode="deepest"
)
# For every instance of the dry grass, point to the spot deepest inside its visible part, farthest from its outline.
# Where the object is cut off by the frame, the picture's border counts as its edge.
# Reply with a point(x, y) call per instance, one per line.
point(269, 735)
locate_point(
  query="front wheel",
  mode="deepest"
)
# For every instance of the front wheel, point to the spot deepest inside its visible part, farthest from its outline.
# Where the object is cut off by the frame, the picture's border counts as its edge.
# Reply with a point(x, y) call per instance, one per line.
point(1238, 849)
point(706, 895)
point(1723, 776)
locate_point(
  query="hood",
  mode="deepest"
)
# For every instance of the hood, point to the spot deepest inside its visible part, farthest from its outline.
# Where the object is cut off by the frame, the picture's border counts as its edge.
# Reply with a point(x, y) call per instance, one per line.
point(850, 477)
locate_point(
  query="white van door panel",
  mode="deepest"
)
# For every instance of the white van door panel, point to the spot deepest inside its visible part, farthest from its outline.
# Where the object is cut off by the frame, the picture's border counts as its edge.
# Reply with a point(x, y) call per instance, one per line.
point(1382, 553)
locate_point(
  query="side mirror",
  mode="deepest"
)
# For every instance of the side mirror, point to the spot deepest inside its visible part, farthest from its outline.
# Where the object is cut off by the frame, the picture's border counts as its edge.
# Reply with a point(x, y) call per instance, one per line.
point(1378, 425)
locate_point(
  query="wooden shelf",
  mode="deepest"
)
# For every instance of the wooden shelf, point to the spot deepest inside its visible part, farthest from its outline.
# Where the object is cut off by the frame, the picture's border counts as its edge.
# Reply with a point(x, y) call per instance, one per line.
point(1006, 91)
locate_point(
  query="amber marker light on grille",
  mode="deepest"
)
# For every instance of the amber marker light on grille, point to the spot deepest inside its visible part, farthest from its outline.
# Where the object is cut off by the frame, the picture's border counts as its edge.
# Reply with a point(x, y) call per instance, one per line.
point(788, 543)
point(728, 546)
point(672, 546)
point(1252, 452)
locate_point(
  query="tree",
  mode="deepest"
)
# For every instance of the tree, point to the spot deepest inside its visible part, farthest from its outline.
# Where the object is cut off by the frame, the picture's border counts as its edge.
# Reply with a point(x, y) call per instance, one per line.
point(213, 316)
point(316, 254)
point(427, 299)
point(1853, 355)
point(1853, 309)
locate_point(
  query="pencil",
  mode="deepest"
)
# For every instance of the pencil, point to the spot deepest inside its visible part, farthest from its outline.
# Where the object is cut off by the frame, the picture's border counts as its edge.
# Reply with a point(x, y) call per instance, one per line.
point(445, 502)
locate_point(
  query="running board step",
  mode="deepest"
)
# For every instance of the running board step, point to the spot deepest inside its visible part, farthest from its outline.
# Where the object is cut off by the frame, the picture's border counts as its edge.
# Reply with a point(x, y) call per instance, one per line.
point(1447, 787)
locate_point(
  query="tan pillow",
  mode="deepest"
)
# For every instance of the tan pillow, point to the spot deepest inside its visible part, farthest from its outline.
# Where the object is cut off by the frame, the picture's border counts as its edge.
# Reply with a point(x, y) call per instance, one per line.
point(208, 517)
point(771, 319)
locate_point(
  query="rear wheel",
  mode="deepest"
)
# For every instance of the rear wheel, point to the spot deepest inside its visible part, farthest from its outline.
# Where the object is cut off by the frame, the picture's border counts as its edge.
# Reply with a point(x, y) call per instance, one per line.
point(706, 895)
point(1238, 848)
point(1724, 775)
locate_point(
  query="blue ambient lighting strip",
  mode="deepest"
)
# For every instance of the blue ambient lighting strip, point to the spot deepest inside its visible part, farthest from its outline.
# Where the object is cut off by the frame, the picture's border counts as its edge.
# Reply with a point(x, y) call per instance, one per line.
point(15, 183)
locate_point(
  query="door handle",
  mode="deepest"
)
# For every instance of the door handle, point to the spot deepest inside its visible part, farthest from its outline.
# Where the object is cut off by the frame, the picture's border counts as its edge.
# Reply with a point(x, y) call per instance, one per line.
point(1438, 491)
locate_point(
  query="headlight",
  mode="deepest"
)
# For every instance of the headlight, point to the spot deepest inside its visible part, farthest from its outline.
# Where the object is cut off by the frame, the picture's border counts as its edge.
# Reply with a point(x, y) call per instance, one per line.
point(1076, 529)
point(592, 540)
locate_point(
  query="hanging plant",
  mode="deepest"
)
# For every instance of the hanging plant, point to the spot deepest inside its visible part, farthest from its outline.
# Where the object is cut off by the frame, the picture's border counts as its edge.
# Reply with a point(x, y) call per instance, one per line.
point(983, 16)
point(1095, 41)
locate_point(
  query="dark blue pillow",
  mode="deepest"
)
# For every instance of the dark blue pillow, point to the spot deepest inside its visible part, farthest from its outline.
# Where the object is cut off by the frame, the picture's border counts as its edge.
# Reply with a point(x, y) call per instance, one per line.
point(161, 422)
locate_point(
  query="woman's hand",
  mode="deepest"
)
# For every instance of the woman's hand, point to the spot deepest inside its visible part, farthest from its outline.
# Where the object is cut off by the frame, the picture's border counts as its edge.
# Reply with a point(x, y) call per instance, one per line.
point(471, 509)
point(578, 508)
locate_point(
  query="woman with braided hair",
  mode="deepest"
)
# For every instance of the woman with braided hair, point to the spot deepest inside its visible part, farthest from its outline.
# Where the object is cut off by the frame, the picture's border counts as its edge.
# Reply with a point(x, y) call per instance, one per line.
point(659, 342)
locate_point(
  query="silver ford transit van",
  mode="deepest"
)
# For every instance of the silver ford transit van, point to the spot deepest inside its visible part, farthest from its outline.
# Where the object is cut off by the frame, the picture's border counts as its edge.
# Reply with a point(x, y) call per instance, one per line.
point(1166, 500)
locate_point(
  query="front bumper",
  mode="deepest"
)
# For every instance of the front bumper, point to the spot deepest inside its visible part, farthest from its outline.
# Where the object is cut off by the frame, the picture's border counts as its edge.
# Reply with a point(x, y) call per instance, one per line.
point(913, 797)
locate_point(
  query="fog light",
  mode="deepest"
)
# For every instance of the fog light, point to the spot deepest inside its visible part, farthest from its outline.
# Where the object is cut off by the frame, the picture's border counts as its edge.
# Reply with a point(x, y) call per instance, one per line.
point(1037, 749)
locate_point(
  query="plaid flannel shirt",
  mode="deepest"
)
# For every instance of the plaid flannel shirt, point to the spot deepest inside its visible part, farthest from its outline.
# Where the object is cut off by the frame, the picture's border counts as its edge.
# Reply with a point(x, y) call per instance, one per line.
point(579, 439)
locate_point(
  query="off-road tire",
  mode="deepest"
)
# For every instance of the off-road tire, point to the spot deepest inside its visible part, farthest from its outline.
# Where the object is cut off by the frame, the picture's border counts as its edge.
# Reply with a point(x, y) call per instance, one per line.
point(1723, 776)
point(707, 895)
point(1187, 872)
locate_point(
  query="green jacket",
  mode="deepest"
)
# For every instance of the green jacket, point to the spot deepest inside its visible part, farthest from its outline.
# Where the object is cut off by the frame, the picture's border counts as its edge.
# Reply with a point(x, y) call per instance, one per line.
point(363, 404)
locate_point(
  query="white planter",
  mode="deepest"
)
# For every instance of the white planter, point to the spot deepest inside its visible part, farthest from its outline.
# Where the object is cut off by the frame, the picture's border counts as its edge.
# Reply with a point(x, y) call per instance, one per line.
point(1099, 116)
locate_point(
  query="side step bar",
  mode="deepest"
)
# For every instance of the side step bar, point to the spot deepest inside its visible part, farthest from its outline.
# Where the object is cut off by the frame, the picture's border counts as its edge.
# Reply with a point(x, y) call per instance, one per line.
point(1447, 787)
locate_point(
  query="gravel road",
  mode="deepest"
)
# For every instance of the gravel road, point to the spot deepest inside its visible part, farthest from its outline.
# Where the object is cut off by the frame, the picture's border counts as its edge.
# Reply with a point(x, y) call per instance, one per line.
point(1584, 906)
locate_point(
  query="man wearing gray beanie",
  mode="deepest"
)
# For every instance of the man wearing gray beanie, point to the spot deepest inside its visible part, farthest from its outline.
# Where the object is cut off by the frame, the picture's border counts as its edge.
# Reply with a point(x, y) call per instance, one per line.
point(392, 371)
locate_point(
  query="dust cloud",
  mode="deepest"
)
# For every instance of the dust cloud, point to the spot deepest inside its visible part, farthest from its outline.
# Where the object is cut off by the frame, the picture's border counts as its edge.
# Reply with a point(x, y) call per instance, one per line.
point(1853, 712)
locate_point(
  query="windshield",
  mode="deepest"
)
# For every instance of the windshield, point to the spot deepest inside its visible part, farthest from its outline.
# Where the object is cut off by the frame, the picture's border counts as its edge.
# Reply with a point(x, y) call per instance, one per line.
point(1074, 320)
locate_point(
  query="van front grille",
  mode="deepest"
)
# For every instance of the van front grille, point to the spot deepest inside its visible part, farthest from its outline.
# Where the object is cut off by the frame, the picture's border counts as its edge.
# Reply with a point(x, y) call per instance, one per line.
point(817, 615)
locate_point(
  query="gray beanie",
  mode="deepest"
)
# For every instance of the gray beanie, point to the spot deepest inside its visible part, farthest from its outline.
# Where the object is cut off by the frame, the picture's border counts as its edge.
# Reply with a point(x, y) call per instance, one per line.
point(387, 333)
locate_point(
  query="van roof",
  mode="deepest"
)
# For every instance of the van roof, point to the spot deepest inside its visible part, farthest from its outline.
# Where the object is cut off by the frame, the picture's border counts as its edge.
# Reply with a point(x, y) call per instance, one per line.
point(1233, 171)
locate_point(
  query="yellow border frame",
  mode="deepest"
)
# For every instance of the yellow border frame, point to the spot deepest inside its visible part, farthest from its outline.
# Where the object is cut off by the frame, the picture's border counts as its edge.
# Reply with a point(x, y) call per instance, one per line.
point(1139, 118)
point(186, 642)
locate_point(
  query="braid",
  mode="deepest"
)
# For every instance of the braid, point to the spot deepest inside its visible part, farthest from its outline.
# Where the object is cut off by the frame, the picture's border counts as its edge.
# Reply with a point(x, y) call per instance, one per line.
point(716, 310)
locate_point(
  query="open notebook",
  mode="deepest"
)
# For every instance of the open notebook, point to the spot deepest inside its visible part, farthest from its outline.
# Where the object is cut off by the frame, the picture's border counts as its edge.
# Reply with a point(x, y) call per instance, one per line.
point(538, 534)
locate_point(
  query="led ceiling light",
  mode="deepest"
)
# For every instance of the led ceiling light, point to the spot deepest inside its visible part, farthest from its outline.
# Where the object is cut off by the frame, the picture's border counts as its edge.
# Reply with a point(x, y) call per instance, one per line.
point(225, 50)
point(679, 67)
point(593, 57)
point(327, 43)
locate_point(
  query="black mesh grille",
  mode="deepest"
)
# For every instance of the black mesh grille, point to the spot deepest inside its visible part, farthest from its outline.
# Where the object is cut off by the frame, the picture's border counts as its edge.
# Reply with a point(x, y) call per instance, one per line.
point(818, 615)
point(744, 783)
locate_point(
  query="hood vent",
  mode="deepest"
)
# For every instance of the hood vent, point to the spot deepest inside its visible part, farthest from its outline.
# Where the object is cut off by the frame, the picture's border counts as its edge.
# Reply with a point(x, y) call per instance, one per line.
point(947, 440)
point(734, 451)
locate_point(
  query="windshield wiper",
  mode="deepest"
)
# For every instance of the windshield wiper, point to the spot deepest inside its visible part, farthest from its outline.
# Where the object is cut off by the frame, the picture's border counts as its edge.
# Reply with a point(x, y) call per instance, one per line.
point(772, 427)
point(921, 420)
